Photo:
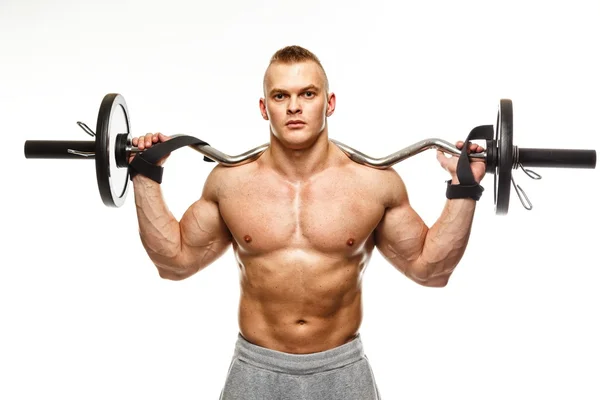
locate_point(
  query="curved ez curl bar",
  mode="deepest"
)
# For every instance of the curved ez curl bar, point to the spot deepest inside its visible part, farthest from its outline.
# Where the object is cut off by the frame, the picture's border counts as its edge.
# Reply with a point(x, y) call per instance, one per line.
point(112, 147)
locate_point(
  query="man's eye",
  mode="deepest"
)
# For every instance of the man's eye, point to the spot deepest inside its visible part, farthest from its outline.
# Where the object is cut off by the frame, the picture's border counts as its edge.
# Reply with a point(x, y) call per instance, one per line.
point(309, 94)
point(278, 96)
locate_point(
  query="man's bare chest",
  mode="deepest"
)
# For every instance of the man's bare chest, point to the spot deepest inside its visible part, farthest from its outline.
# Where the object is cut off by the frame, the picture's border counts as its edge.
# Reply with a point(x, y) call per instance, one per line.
point(329, 217)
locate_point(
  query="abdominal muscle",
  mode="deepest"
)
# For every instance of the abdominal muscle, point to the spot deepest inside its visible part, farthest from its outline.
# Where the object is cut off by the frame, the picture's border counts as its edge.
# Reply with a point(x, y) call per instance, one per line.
point(299, 300)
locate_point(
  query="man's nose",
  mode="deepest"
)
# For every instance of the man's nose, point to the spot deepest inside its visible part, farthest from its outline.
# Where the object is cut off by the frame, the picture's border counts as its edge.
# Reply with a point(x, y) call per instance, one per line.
point(294, 106)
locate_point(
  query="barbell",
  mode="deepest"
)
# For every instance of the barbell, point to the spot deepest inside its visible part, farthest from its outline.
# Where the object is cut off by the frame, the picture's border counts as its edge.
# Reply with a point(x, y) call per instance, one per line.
point(112, 147)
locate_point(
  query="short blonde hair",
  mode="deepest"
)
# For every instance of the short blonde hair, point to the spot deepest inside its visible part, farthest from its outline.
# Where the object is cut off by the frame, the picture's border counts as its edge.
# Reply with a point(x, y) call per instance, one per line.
point(295, 54)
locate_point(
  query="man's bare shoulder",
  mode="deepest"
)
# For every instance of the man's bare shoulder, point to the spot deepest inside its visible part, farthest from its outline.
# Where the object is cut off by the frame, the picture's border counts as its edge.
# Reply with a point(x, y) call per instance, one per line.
point(387, 183)
point(222, 178)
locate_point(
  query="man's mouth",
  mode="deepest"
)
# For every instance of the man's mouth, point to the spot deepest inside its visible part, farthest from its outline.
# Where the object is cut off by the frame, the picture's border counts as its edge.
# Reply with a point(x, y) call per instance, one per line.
point(295, 123)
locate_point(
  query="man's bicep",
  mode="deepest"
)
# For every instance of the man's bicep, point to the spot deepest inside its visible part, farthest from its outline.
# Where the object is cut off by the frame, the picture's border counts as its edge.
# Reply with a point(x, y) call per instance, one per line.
point(401, 233)
point(204, 234)
point(400, 236)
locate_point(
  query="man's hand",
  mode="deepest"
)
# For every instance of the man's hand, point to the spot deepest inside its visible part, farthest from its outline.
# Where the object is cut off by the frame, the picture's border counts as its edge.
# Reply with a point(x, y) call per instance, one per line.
point(450, 163)
point(147, 141)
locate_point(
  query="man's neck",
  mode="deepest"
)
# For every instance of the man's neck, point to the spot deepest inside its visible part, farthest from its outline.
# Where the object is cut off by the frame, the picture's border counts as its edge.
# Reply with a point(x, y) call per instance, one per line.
point(300, 164)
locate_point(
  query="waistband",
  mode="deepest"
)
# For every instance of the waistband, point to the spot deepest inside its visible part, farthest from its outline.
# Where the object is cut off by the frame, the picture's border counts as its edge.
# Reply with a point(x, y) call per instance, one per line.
point(299, 364)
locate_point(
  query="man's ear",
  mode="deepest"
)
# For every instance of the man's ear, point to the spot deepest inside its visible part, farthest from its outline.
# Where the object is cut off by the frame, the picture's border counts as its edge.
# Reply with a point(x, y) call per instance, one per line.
point(263, 109)
point(330, 104)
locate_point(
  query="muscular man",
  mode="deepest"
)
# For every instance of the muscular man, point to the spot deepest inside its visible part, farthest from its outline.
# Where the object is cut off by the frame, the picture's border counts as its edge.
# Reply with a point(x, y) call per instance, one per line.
point(303, 220)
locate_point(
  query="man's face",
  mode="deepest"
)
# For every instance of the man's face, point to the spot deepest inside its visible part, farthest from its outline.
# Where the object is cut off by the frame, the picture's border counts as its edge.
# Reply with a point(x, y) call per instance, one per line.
point(296, 103)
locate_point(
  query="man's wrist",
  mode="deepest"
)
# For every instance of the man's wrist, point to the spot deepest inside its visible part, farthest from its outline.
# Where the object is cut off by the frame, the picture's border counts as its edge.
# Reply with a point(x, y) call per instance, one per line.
point(144, 180)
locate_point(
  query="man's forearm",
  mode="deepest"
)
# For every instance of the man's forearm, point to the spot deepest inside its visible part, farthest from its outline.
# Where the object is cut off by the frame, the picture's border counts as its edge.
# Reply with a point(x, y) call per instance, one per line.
point(159, 230)
point(446, 241)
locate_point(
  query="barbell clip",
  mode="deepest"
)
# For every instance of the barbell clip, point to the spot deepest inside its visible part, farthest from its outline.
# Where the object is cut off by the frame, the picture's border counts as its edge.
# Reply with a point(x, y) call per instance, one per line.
point(86, 129)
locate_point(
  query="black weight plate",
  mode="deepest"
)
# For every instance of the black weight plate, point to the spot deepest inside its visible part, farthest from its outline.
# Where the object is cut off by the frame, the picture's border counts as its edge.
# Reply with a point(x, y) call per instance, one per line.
point(113, 119)
point(504, 143)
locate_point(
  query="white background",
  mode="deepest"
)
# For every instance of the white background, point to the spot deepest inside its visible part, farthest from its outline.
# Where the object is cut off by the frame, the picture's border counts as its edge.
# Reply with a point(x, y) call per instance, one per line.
point(83, 313)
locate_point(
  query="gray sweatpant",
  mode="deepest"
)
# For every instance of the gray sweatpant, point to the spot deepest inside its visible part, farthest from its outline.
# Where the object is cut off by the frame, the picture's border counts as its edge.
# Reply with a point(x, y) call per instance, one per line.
point(258, 373)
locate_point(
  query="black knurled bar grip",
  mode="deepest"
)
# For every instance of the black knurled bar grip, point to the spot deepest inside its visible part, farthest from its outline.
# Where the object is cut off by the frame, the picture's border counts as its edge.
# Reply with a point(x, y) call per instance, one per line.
point(557, 158)
point(58, 149)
